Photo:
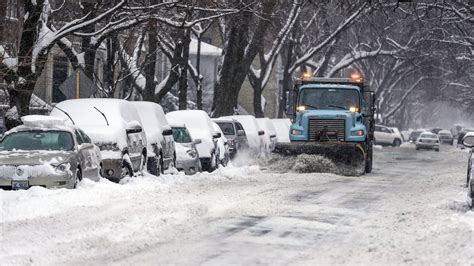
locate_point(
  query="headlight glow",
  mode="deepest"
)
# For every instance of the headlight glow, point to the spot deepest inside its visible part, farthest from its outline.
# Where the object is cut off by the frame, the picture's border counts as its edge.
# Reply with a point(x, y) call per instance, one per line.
point(296, 132)
point(357, 133)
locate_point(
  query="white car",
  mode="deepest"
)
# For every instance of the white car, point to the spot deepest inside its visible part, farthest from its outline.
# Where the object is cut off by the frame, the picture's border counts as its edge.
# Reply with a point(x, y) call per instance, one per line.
point(269, 133)
point(187, 155)
point(222, 142)
point(115, 126)
point(397, 132)
point(200, 127)
point(160, 142)
point(385, 136)
point(427, 140)
point(282, 129)
point(253, 132)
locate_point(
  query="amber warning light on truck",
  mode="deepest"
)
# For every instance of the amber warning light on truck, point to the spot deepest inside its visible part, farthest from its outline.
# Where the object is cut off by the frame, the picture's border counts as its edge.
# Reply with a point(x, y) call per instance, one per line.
point(356, 77)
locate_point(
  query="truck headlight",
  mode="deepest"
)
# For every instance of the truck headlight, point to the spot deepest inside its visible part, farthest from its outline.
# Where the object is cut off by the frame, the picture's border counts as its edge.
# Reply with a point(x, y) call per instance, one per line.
point(296, 132)
point(357, 133)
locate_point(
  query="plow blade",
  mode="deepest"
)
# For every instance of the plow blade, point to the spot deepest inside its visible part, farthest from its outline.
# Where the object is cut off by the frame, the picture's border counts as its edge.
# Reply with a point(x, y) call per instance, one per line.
point(349, 154)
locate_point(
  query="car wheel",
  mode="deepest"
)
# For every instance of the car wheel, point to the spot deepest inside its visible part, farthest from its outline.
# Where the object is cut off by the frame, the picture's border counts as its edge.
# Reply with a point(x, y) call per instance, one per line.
point(126, 169)
point(437, 150)
point(77, 177)
point(396, 143)
point(417, 148)
point(154, 165)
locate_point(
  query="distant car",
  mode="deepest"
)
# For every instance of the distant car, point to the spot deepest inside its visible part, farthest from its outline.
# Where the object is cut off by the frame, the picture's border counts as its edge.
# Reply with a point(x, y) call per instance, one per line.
point(468, 141)
point(115, 126)
point(445, 137)
point(187, 155)
point(414, 135)
point(385, 136)
point(436, 130)
point(427, 140)
point(270, 132)
point(397, 132)
point(200, 127)
point(46, 152)
point(252, 131)
point(282, 129)
point(224, 156)
point(234, 133)
point(160, 143)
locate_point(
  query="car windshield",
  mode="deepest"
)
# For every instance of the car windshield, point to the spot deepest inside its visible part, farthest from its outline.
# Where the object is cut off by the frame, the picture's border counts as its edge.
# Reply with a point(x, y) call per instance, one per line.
point(181, 135)
point(227, 128)
point(428, 136)
point(38, 140)
point(329, 98)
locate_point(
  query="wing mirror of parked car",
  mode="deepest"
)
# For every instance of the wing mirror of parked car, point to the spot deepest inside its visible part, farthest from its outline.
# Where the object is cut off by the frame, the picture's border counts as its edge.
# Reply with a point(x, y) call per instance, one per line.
point(272, 136)
point(261, 132)
point(133, 127)
point(468, 141)
point(197, 141)
point(217, 135)
point(167, 132)
point(240, 132)
point(84, 146)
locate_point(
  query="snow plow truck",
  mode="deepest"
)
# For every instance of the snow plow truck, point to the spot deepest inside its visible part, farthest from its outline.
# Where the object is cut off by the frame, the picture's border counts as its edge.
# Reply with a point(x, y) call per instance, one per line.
point(332, 117)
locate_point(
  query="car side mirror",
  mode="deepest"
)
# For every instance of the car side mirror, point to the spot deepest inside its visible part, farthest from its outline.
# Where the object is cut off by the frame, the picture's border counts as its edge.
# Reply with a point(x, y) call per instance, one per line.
point(261, 132)
point(167, 132)
point(197, 141)
point(133, 127)
point(217, 135)
point(85, 146)
point(272, 136)
point(240, 132)
point(468, 141)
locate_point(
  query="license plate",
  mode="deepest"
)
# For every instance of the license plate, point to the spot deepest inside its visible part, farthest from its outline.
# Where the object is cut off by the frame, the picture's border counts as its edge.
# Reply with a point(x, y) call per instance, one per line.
point(20, 184)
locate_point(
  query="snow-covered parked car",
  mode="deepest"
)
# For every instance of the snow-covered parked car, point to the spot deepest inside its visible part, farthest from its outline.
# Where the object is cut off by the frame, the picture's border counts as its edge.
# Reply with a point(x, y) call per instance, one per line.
point(160, 143)
point(282, 129)
point(200, 127)
point(222, 142)
point(445, 137)
point(252, 131)
point(385, 136)
point(427, 140)
point(234, 133)
point(115, 126)
point(269, 132)
point(468, 141)
point(47, 152)
point(187, 155)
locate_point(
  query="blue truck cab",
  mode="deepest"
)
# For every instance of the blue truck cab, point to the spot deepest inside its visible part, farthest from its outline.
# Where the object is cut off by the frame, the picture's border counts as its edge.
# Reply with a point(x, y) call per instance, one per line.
point(331, 111)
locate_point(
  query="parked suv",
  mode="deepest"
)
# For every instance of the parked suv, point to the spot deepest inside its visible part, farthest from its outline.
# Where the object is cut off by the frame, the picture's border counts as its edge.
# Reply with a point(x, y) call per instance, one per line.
point(235, 134)
point(160, 143)
point(385, 136)
point(115, 126)
point(468, 141)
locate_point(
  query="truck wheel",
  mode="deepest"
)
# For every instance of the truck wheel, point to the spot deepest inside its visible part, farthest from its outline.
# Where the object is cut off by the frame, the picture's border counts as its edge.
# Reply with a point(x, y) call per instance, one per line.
point(396, 143)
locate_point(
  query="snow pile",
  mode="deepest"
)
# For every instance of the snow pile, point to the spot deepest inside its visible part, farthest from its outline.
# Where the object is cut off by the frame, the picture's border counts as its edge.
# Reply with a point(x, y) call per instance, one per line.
point(308, 163)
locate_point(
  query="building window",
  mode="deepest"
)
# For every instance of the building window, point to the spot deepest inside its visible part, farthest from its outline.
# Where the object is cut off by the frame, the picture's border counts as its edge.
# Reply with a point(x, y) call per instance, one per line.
point(12, 9)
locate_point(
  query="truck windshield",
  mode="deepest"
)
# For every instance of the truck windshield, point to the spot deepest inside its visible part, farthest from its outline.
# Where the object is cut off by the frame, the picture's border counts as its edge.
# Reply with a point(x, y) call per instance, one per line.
point(329, 98)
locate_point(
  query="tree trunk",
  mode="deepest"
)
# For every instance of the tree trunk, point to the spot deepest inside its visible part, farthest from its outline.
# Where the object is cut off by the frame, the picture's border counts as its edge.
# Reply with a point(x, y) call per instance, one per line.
point(287, 78)
point(239, 55)
point(89, 51)
point(257, 102)
point(183, 79)
point(198, 68)
point(150, 67)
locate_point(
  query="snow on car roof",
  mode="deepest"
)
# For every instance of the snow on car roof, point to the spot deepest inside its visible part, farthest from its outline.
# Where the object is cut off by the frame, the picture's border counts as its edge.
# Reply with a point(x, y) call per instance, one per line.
point(43, 123)
point(177, 124)
point(86, 111)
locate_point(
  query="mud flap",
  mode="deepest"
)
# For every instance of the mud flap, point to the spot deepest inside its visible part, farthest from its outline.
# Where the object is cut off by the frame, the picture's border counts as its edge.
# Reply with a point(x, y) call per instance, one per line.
point(348, 154)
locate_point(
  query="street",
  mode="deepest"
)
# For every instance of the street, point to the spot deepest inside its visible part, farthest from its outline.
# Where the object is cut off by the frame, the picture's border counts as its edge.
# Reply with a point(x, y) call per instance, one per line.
point(411, 209)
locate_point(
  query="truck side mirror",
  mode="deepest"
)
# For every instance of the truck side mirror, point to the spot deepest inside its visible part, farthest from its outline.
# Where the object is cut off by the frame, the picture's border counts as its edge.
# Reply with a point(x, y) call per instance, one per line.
point(290, 103)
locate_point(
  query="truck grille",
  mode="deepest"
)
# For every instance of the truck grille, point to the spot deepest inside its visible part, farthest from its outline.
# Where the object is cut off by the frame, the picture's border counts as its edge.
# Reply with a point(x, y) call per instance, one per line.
point(326, 130)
